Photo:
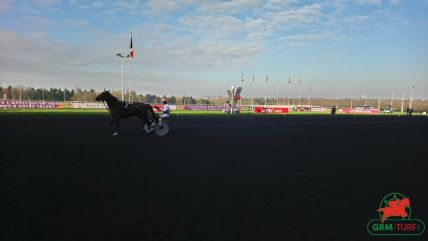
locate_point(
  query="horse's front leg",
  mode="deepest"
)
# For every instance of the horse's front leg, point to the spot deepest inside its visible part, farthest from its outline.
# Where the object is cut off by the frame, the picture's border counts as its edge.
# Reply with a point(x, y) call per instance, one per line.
point(114, 123)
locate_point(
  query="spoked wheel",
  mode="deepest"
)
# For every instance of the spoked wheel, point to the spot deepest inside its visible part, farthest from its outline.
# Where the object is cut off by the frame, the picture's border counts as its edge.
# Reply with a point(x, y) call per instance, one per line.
point(162, 130)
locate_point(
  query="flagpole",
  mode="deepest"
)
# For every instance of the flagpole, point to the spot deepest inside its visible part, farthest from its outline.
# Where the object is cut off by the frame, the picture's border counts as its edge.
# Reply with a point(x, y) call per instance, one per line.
point(242, 81)
point(252, 96)
point(277, 89)
point(129, 81)
point(131, 54)
point(267, 78)
point(300, 87)
point(288, 98)
point(4, 95)
point(291, 94)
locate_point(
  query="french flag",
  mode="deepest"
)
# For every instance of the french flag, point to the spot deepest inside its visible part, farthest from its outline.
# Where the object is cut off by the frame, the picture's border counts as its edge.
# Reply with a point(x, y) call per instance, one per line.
point(131, 51)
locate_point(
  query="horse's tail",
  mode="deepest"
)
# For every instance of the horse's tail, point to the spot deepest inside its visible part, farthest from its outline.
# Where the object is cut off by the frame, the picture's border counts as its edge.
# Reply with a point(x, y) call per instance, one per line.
point(147, 108)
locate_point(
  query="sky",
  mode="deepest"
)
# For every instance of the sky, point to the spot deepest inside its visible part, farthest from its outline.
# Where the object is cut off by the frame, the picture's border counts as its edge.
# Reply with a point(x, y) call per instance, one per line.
point(333, 48)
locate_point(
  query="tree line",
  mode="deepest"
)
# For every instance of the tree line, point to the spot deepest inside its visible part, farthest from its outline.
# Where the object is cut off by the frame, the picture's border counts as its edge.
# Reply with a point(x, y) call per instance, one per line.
point(77, 94)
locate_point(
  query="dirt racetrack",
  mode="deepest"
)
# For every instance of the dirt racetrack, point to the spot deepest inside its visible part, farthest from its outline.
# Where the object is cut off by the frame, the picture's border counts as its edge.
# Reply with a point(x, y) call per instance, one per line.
point(211, 178)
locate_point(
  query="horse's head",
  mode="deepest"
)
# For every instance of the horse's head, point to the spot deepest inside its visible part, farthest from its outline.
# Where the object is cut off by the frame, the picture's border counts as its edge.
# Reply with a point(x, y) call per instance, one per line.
point(405, 202)
point(103, 96)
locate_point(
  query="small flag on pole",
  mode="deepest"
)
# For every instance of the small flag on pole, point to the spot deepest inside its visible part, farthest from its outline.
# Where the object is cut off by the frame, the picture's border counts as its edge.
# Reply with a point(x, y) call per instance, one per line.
point(242, 76)
point(131, 51)
point(289, 80)
point(267, 78)
point(253, 78)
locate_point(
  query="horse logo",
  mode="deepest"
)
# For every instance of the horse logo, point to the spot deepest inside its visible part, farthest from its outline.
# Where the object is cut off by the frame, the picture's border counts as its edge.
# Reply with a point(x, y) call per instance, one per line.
point(394, 207)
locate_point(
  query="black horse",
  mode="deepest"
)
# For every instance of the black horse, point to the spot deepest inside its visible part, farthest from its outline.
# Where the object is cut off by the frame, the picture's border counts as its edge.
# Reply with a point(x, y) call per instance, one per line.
point(119, 109)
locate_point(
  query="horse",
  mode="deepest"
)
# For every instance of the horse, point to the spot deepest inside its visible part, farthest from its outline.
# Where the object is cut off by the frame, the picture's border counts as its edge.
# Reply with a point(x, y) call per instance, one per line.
point(395, 208)
point(119, 110)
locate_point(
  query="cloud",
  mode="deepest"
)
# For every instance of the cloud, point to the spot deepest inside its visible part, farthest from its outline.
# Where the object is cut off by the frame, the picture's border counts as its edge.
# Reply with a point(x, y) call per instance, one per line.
point(394, 2)
point(356, 19)
point(297, 16)
point(99, 4)
point(305, 19)
point(163, 6)
point(308, 37)
point(5, 5)
point(47, 3)
point(276, 5)
point(370, 2)
point(213, 26)
point(73, 23)
point(229, 7)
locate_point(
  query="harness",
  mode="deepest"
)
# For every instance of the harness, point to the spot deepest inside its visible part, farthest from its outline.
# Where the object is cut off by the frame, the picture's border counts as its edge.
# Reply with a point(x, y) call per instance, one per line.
point(106, 105)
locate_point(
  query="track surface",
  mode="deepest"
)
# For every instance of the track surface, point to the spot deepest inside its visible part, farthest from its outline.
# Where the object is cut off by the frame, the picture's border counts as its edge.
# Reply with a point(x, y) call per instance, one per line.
point(211, 178)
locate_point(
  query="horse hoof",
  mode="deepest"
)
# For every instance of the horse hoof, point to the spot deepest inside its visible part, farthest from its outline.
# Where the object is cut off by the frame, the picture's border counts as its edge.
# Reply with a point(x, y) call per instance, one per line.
point(115, 134)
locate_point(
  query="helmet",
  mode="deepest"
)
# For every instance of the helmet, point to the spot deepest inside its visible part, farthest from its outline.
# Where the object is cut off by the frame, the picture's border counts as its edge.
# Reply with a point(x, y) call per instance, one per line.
point(164, 100)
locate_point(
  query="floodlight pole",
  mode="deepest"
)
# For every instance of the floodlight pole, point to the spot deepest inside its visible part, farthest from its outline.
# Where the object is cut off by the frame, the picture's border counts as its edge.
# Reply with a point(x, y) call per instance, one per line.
point(411, 96)
point(392, 97)
point(402, 103)
point(378, 102)
point(123, 58)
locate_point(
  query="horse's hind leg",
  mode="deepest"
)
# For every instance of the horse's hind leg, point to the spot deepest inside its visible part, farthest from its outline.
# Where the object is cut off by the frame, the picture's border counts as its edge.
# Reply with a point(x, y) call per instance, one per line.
point(144, 122)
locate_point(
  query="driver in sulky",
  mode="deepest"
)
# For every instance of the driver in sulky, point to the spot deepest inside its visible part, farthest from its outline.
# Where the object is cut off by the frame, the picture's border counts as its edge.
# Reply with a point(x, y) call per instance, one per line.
point(165, 109)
